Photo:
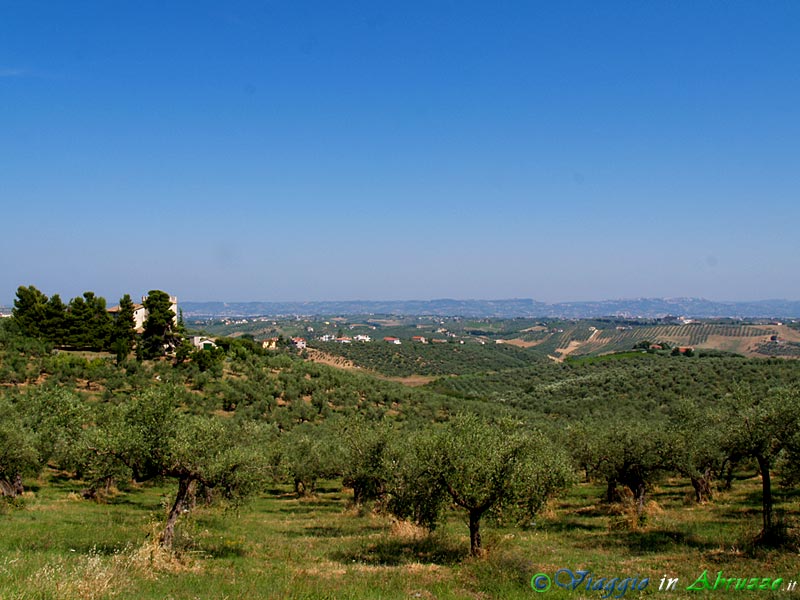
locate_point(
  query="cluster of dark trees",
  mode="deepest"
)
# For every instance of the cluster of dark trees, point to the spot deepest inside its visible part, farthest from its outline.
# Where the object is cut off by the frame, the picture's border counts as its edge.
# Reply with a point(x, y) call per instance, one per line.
point(84, 323)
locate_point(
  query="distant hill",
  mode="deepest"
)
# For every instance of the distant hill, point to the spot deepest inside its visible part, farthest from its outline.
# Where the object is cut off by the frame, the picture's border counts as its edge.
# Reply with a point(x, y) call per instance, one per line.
point(583, 339)
point(519, 307)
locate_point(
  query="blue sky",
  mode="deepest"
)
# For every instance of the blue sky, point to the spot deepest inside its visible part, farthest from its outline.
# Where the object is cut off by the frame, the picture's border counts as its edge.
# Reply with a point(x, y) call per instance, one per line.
point(377, 150)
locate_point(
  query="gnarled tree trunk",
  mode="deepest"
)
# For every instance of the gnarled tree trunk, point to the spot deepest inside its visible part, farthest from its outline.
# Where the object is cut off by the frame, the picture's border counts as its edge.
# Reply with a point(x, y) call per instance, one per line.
point(185, 492)
point(11, 488)
point(475, 532)
point(702, 486)
point(611, 491)
point(766, 497)
point(639, 496)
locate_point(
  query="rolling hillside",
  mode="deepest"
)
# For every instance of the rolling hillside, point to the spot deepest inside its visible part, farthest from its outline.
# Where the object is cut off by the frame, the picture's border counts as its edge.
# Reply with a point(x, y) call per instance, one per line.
point(583, 340)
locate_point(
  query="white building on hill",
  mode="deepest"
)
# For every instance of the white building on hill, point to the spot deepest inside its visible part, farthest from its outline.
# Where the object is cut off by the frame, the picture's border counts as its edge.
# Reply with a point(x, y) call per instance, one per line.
point(140, 313)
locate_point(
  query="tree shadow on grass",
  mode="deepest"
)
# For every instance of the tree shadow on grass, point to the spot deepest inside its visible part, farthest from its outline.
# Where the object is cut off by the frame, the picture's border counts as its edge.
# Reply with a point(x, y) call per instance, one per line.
point(322, 489)
point(753, 498)
point(292, 503)
point(322, 531)
point(60, 477)
point(570, 525)
point(288, 492)
point(221, 549)
point(733, 514)
point(395, 551)
point(593, 510)
point(789, 493)
point(129, 502)
point(310, 507)
point(782, 499)
point(656, 540)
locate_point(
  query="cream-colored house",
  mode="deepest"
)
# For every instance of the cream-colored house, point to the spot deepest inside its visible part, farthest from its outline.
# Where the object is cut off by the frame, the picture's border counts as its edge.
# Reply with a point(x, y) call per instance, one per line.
point(140, 313)
point(270, 344)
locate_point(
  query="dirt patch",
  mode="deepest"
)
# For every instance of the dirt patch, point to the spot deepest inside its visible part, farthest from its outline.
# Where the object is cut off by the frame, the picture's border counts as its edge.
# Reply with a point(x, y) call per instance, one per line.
point(521, 343)
point(739, 345)
point(574, 345)
point(787, 333)
point(411, 380)
point(571, 347)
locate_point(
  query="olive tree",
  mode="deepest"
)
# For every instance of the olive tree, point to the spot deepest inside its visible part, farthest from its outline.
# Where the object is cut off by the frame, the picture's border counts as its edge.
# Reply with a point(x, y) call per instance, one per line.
point(306, 454)
point(58, 416)
point(696, 447)
point(765, 429)
point(18, 456)
point(501, 470)
point(150, 437)
point(364, 467)
point(226, 458)
point(625, 453)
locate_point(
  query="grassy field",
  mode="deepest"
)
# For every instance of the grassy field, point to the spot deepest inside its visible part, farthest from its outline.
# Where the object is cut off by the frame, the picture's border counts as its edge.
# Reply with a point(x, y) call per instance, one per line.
point(55, 544)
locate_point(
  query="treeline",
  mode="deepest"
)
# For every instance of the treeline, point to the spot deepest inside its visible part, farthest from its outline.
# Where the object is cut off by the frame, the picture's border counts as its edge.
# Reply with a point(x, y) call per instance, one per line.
point(84, 323)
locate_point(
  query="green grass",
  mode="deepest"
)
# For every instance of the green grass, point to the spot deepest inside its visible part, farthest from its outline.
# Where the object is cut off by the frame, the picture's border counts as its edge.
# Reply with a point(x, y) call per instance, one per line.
point(58, 545)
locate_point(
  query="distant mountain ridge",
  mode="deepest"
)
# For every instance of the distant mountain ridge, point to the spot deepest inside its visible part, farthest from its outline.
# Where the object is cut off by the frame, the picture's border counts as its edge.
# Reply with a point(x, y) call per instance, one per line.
point(517, 307)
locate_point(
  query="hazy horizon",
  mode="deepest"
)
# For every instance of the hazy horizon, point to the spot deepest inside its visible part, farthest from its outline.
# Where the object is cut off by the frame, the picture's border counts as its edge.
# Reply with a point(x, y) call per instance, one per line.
point(560, 152)
point(112, 299)
point(487, 299)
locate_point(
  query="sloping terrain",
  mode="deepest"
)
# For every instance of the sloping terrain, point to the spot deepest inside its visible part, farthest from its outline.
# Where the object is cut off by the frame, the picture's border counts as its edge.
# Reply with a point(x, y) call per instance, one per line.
point(580, 340)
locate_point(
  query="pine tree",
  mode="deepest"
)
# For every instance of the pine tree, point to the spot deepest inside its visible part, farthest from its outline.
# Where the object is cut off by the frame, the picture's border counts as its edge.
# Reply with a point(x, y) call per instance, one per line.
point(54, 323)
point(159, 328)
point(29, 310)
point(123, 331)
